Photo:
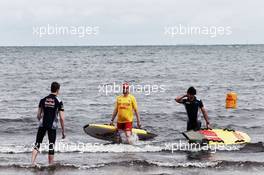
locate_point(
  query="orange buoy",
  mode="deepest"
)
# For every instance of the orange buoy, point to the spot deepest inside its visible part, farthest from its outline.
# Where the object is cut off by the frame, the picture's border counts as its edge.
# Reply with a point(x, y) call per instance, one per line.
point(231, 100)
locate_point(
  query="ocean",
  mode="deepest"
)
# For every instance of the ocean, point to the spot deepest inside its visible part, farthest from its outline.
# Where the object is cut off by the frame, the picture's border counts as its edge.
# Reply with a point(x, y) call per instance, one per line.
point(89, 77)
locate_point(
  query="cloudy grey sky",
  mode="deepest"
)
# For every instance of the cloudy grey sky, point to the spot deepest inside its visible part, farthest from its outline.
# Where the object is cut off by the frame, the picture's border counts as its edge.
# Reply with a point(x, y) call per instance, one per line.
point(131, 22)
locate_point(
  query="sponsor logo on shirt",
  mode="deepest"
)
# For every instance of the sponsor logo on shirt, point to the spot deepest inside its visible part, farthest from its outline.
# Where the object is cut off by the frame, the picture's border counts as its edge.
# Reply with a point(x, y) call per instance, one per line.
point(49, 102)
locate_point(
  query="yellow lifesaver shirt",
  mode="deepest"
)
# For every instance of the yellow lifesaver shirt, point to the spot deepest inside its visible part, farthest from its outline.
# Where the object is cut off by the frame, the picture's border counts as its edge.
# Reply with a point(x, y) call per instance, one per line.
point(125, 106)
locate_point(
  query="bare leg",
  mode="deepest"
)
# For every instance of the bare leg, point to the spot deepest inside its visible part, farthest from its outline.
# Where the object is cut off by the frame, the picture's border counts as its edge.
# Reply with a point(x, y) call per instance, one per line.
point(118, 136)
point(128, 134)
point(34, 156)
point(51, 159)
point(52, 139)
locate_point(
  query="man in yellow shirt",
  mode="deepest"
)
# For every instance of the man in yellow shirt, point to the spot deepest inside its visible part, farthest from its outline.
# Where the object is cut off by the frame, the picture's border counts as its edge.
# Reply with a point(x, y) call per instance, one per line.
point(125, 105)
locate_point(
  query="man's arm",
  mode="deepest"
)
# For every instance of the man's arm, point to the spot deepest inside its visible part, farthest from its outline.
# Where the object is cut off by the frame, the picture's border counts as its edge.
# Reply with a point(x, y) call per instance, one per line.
point(114, 113)
point(113, 116)
point(179, 99)
point(61, 113)
point(138, 118)
point(206, 118)
point(39, 114)
point(135, 109)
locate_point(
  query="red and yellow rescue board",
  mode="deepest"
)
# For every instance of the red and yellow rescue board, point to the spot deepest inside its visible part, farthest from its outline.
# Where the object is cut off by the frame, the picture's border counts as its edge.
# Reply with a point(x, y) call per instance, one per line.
point(217, 136)
point(108, 132)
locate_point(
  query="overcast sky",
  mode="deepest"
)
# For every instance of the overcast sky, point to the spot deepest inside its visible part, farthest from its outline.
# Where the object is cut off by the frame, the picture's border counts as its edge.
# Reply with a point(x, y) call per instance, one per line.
point(131, 22)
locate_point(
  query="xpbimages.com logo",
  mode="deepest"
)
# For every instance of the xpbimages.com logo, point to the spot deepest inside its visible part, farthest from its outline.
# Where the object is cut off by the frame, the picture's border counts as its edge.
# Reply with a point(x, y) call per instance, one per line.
point(188, 30)
point(59, 30)
point(146, 89)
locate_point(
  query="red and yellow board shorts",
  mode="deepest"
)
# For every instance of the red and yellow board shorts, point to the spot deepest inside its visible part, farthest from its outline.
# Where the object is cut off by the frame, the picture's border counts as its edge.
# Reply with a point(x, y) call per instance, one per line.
point(127, 126)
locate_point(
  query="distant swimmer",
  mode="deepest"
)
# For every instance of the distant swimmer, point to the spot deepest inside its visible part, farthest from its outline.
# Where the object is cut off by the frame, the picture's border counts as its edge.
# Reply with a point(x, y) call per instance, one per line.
point(49, 109)
point(125, 105)
point(192, 106)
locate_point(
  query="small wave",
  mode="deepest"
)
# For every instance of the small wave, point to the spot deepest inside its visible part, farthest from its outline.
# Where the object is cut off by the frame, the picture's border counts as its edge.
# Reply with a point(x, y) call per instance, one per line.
point(56, 166)
point(62, 147)
point(15, 149)
point(245, 127)
point(245, 164)
point(98, 104)
point(251, 109)
point(141, 163)
point(20, 119)
point(132, 62)
point(185, 164)
point(195, 164)
point(65, 147)
point(146, 163)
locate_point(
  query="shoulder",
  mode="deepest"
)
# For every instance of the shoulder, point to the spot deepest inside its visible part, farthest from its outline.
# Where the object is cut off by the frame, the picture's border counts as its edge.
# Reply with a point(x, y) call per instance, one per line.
point(43, 99)
point(119, 96)
point(58, 99)
point(199, 101)
point(132, 97)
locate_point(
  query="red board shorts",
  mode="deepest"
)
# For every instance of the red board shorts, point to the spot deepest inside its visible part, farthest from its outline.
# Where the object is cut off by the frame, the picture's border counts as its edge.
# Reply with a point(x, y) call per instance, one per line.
point(127, 126)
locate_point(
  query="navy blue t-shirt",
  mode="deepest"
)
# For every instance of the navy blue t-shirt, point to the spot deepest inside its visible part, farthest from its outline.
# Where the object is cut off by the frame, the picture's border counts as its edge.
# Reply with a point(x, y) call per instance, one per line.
point(50, 106)
point(192, 108)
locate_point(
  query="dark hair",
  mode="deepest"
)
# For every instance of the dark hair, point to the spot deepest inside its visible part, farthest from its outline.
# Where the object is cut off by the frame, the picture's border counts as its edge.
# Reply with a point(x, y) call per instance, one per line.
point(55, 86)
point(191, 91)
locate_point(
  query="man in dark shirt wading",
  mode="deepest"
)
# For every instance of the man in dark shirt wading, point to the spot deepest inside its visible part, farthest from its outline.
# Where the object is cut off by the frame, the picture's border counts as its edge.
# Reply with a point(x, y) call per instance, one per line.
point(192, 106)
point(49, 108)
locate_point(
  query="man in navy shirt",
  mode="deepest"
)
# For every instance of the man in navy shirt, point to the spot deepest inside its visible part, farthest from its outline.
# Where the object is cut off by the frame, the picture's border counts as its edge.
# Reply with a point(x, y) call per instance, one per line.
point(48, 110)
point(192, 106)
